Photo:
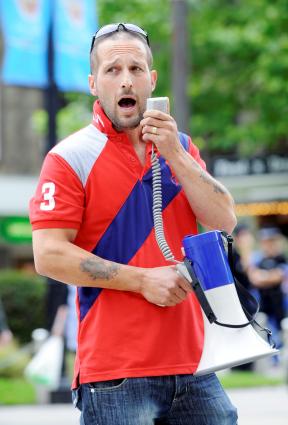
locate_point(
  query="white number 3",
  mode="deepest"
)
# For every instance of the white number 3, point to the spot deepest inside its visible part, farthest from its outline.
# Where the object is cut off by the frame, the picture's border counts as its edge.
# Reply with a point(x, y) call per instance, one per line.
point(48, 190)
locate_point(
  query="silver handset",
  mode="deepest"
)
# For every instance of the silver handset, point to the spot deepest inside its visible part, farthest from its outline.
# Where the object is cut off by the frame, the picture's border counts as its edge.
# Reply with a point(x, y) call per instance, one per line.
point(160, 104)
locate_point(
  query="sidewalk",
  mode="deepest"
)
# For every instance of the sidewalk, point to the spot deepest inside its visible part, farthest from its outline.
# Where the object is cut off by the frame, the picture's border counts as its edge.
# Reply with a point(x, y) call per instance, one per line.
point(50, 414)
point(257, 406)
point(261, 406)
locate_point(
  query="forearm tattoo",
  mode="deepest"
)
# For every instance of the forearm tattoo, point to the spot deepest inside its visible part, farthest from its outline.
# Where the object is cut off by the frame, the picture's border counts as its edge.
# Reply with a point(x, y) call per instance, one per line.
point(99, 269)
point(207, 179)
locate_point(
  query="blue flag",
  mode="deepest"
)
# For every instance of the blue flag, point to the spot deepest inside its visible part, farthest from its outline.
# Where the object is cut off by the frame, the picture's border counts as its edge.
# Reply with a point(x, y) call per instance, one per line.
point(25, 26)
point(74, 23)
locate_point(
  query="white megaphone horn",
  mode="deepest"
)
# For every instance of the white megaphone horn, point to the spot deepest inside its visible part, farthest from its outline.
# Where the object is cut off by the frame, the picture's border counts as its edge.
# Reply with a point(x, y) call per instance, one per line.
point(229, 337)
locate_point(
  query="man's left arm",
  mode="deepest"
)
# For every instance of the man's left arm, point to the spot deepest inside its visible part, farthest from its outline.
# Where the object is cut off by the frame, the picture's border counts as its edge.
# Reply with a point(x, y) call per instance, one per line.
point(210, 200)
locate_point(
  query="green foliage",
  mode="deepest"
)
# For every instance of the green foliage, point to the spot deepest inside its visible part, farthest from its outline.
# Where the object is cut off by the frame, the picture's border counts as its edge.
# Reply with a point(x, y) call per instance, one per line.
point(16, 391)
point(23, 297)
point(247, 379)
point(70, 118)
point(238, 86)
point(13, 360)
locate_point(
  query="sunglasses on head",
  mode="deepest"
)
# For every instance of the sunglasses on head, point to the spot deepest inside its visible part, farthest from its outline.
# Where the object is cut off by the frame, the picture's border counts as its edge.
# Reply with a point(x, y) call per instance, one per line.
point(111, 28)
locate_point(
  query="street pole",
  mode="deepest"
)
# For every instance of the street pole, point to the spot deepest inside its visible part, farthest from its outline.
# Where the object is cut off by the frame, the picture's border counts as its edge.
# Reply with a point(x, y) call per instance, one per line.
point(51, 96)
point(180, 64)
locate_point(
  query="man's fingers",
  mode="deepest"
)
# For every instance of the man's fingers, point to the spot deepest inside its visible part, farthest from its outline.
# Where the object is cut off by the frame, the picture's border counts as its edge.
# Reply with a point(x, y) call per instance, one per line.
point(159, 115)
point(151, 122)
point(183, 283)
point(180, 293)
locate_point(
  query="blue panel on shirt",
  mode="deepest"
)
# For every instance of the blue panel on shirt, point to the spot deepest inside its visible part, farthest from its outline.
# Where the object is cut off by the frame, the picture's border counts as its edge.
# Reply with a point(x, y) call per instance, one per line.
point(135, 219)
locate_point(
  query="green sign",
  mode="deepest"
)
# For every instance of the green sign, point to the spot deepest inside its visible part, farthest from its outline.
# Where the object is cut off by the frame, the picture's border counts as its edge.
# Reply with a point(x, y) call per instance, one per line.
point(15, 229)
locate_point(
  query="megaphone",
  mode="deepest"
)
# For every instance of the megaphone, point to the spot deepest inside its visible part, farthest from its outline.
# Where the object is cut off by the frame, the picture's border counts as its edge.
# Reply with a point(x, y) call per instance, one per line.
point(229, 339)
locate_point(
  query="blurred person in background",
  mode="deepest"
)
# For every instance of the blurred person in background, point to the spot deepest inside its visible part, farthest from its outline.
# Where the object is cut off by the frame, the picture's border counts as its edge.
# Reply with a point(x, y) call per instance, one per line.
point(243, 247)
point(71, 321)
point(267, 273)
point(5, 333)
point(140, 333)
point(56, 296)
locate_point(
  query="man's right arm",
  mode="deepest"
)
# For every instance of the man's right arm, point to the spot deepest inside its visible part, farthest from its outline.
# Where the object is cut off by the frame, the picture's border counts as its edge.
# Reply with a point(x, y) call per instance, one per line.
point(57, 257)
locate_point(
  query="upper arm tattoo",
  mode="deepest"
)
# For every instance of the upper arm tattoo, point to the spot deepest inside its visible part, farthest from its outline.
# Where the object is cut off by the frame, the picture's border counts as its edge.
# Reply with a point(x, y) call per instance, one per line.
point(99, 269)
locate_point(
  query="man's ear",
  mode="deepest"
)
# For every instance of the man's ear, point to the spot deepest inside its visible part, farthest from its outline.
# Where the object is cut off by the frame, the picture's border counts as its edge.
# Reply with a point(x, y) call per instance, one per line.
point(92, 85)
point(153, 79)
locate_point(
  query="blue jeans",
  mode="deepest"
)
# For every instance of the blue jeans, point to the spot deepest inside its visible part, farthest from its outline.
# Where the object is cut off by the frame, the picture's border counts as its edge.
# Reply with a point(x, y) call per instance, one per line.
point(165, 400)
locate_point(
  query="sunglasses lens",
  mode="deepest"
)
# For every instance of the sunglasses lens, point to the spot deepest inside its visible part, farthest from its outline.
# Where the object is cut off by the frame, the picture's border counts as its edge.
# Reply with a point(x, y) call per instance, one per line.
point(109, 29)
point(135, 28)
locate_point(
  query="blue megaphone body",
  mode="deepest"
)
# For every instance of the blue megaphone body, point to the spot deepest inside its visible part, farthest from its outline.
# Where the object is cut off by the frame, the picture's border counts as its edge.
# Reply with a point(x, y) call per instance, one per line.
point(229, 339)
point(210, 262)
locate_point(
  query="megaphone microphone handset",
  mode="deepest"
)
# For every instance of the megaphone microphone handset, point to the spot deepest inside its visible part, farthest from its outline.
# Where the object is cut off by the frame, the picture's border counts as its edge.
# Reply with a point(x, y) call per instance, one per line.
point(160, 104)
point(208, 267)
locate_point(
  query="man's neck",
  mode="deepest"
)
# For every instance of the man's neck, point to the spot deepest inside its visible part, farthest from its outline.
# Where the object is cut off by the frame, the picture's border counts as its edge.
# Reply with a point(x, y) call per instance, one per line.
point(134, 136)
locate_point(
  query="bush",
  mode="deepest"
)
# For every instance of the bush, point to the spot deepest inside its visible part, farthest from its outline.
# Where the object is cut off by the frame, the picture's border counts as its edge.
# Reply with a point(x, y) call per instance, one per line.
point(16, 391)
point(14, 359)
point(23, 298)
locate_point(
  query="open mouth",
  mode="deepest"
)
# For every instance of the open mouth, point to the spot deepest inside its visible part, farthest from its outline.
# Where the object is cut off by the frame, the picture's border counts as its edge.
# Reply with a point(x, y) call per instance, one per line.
point(127, 102)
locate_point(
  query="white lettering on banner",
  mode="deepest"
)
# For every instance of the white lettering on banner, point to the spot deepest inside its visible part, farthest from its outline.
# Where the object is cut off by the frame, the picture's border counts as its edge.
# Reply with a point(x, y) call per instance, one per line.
point(48, 190)
point(224, 167)
point(278, 164)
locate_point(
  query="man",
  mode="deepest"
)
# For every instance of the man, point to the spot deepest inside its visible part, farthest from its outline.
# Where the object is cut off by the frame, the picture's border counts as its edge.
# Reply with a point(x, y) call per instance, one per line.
point(267, 274)
point(5, 334)
point(140, 327)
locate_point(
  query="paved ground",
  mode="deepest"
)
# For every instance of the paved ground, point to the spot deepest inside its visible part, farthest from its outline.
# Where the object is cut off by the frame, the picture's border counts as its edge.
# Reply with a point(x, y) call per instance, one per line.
point(261, 406)
point(53, 414)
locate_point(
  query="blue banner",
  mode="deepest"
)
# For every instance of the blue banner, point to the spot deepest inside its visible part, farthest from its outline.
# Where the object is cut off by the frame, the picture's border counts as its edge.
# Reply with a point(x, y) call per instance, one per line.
point(25, 26)
point(74, 23)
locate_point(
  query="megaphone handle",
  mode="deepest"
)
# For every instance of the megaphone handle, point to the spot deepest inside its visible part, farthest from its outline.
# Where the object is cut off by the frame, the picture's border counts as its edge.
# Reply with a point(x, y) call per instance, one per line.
point(199, 291)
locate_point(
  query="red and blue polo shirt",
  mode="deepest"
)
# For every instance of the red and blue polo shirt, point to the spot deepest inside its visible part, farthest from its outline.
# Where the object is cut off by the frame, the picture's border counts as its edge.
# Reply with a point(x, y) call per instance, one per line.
point(93, 182)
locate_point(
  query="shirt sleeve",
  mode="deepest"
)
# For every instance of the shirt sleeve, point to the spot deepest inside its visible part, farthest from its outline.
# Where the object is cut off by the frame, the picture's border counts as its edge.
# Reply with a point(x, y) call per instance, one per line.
point(59, 198)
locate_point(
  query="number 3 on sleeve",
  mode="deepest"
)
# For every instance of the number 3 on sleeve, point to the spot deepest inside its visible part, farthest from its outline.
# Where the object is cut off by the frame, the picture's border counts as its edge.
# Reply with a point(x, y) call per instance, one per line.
point(48, 190)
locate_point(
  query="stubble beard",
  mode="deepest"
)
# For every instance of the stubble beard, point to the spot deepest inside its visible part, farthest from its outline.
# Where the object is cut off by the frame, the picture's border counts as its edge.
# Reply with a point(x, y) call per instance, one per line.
point(124, 123)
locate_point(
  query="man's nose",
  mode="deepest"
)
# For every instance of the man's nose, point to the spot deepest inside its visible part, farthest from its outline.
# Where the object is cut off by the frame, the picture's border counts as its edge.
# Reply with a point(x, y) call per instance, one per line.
point(126, 81)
